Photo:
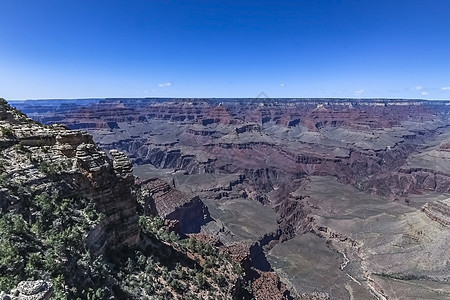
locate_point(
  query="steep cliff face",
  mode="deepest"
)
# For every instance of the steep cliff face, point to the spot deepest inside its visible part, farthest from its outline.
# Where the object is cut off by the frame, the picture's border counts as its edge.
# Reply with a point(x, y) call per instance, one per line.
point(70, 227)
point(42, 153)
point(159, 198)
point(427, 169)
point(108, 183)
point(68, 199)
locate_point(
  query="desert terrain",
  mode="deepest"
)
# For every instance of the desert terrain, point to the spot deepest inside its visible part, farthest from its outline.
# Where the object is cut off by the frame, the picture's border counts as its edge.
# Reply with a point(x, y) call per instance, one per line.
point(337, 198)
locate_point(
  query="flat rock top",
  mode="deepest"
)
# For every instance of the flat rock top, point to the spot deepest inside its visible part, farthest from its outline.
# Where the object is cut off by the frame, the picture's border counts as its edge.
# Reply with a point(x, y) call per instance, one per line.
point(245, 219)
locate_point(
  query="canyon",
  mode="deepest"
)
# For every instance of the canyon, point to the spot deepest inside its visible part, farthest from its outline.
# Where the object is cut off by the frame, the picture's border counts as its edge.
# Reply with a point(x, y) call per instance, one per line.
point(316, 198)
point(75, 224)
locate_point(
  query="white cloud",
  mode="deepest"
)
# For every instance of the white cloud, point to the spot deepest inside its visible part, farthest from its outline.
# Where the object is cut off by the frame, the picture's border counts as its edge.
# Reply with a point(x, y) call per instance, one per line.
point(359, 92)
point(424, 93)
point(282, 84)
point(418, 88)
point(445, 88)
point(161, 85)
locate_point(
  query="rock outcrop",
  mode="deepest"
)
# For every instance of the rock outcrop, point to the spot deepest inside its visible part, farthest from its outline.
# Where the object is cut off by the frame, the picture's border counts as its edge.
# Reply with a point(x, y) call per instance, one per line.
point(108, 183)
point(438, 211)
point(268, 286)
point(53, 160)
point(159, 198)
point(30, 290)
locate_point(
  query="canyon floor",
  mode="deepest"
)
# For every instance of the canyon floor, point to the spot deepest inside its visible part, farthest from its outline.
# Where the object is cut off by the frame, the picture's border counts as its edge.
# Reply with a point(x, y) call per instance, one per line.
point(341, 198)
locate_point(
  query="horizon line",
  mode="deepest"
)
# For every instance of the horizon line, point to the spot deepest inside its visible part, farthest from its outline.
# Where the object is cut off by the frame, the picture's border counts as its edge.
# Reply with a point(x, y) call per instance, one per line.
point(233, 98)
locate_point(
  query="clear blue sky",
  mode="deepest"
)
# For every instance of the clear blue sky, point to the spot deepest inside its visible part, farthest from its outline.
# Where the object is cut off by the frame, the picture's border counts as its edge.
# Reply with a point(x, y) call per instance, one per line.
point(315, 48)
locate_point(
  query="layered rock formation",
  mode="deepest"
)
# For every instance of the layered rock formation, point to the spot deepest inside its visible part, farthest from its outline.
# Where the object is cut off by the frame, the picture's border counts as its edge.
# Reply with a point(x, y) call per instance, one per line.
point(48, 173)
point(71, 156)
point(108, 183)
point(69, 215)
point(355, 186)
point(438, 211)
point(358, 141)
point(159, 198)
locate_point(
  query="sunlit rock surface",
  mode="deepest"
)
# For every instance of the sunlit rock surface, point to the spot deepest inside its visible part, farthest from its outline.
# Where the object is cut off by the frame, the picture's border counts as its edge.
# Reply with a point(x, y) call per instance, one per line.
point(342, 198)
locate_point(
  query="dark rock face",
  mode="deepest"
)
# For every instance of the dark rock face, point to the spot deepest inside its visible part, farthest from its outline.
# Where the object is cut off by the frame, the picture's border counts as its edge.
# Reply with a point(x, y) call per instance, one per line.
point(109, 183)
point(160, 198)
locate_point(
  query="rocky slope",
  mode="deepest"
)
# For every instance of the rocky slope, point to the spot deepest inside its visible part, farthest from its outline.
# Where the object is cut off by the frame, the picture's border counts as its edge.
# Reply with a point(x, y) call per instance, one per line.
point(69, 216)
point(34, 156)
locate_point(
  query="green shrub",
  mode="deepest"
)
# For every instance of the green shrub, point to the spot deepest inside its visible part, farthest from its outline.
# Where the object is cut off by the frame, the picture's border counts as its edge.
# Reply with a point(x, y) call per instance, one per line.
point(7, 132)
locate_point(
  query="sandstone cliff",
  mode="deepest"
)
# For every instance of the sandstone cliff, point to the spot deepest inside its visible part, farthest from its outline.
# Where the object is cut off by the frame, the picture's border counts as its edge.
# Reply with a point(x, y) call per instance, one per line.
point(48, 172)
point(69, 221)
point(158, 197)
point(74, 159)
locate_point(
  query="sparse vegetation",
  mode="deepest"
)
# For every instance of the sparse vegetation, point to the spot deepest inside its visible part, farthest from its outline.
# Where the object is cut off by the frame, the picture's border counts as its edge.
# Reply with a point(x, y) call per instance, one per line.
point(188, 265)
point(7, 132)
point(44, 225)
point(45, 240)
